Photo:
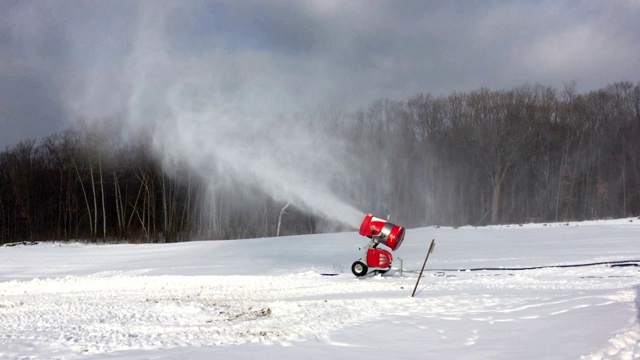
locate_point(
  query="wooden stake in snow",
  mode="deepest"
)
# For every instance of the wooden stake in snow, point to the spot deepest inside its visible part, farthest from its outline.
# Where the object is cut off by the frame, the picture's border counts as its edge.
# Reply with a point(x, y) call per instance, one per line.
point(433, 244)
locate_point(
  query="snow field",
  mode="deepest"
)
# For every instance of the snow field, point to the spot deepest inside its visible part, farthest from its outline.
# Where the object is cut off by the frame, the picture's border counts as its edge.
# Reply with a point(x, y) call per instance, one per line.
point(95, 314)
point(266, 298)
point(102, 314)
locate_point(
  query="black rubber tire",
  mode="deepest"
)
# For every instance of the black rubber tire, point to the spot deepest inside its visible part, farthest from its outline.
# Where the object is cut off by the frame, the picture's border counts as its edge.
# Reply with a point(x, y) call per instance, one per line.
point(359, 268)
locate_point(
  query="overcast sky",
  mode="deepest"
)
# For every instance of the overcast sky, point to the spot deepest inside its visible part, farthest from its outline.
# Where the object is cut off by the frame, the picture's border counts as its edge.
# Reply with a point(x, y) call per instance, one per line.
point(64, 60)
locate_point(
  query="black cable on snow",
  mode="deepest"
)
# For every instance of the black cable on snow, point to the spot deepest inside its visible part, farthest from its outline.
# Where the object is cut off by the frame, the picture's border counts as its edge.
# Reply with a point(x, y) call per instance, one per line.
point(618, 263)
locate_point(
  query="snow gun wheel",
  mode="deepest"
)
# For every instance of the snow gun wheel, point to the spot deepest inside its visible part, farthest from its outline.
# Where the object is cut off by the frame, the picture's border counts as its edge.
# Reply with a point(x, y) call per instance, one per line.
point(359, 268)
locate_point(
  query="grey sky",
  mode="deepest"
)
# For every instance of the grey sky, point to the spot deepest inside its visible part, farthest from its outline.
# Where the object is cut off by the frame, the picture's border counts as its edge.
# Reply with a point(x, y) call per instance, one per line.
point(66, 60)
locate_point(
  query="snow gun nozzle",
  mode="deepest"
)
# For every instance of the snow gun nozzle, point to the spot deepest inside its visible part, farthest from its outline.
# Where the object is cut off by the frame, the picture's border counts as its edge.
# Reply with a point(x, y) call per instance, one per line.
point(387, 233)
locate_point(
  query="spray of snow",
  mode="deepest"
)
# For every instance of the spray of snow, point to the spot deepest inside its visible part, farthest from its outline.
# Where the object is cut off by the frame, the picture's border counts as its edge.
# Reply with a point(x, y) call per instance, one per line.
point(227, 118)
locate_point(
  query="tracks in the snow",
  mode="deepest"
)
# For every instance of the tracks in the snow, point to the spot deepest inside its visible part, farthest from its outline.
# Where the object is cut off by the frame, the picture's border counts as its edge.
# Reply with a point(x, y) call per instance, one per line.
point(612, 264)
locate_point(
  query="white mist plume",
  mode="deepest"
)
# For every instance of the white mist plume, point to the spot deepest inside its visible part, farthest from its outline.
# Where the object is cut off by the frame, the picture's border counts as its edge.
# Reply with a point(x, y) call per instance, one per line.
point(230, 120)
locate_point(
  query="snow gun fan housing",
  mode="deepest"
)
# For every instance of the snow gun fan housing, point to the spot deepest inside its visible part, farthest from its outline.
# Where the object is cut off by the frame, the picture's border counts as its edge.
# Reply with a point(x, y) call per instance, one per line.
point(387, 233)
point(380, 232)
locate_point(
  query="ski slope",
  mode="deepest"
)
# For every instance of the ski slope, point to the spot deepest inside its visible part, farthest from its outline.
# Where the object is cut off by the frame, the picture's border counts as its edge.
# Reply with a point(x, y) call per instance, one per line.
point(266, 298)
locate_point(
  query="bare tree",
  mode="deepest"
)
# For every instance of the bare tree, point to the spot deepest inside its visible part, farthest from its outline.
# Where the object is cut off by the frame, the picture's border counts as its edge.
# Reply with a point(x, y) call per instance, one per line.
point(282, 212)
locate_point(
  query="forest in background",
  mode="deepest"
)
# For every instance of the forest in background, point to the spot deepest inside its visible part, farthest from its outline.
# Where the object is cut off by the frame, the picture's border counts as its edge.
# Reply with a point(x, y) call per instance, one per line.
point(529, 154)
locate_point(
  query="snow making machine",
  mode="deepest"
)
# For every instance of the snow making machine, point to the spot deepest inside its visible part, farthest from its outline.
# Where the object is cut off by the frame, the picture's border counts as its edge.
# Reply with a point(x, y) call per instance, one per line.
point(380, 232)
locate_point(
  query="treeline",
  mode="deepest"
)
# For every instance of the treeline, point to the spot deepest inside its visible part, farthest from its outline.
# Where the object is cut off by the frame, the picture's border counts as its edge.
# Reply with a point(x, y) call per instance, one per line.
point(86, 186)
point(532, 153)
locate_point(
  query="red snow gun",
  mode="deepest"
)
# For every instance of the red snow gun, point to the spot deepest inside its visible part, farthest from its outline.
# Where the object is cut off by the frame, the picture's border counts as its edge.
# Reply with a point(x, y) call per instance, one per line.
point(380, 232)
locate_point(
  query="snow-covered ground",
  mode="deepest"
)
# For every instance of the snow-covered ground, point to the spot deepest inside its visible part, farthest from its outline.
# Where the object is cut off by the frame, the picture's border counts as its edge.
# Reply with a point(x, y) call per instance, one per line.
point(266, 298)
